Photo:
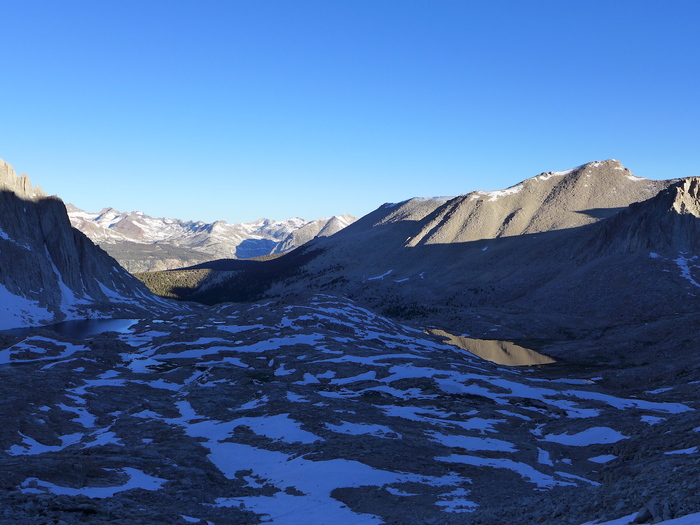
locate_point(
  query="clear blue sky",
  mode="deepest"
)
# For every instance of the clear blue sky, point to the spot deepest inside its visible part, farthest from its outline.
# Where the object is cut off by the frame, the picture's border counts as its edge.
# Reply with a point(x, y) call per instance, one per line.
point(235, 110)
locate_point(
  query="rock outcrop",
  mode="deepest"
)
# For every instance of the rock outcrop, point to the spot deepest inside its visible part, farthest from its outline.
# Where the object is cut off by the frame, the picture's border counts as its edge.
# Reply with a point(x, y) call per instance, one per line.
point(48, 270)
point(669, 222)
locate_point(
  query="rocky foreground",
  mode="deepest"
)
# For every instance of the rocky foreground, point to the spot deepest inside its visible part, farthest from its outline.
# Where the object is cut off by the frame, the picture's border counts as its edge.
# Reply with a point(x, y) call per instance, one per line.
point(327, 413)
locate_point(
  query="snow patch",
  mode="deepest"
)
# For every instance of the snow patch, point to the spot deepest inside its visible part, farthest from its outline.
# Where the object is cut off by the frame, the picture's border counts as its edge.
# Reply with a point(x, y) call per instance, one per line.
point(18, 312)
point(495, 195)
point(543, 457)
point(473, 443)
point(314, 480)
point(551, 174)
point(137, 480)
point(380, 276)
point(31, 447)
point(359, 429)
point(5, 236)
point(528, 473)
point(691, 450)
point(590, 436)
point(602, 459)
point(683, 263)
point(659, 390)
point(456, 501)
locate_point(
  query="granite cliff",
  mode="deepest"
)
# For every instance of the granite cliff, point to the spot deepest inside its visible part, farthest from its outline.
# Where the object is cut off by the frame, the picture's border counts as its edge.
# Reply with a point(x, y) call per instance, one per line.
point(49, 271)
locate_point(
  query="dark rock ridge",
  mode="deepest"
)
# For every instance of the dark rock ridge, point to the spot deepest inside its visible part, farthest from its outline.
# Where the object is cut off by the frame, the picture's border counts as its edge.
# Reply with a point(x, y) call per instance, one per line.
point(669, 222)
point(48, 270)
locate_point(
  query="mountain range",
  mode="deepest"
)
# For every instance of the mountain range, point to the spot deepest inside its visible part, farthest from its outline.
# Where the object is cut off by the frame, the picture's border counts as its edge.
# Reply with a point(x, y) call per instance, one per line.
point(522, 356)
point(142, 243)
point(591, 263)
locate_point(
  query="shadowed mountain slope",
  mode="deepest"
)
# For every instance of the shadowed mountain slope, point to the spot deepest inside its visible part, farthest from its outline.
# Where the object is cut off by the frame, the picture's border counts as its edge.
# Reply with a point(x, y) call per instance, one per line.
point(669, 222)
point(561, 255)
point(48, 270)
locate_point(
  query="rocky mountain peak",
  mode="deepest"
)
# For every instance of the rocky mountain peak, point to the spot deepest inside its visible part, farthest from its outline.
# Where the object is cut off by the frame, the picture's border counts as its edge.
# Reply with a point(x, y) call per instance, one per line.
point(610, 172)
point(554, 200)
point(20, 186)
point(598, 167)
point(665, 223)
point(604, 164)
point(687, 196)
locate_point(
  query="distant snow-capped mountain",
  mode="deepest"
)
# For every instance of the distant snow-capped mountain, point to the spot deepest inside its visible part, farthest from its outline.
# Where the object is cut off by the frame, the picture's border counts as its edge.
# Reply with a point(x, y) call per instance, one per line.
point(142, 243)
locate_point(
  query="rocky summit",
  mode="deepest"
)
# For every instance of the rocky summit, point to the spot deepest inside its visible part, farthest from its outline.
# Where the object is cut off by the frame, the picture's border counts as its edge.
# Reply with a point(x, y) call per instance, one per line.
point(524, 356)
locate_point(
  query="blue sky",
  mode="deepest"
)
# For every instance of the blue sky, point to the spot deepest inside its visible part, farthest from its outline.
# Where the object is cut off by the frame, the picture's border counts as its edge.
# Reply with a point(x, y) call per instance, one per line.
point(235, 110)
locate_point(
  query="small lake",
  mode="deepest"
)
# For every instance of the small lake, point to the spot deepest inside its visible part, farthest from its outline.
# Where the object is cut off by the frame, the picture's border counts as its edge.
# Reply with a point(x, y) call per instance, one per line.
point(499, 352)
point(80, 328)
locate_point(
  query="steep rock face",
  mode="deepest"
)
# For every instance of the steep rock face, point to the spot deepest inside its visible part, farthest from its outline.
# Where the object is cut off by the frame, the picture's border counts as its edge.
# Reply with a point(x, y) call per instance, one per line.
point(48, 270)
point(669, 222)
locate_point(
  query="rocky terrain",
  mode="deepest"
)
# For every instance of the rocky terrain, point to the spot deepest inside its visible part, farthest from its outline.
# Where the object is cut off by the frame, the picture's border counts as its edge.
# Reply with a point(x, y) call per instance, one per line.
point(593, 263)
point(327, 413)
point(142, 243)
point(329, 393)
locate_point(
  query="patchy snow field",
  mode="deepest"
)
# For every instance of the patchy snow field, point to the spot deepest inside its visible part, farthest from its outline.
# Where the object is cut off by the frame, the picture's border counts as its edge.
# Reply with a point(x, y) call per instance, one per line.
point(325, 413)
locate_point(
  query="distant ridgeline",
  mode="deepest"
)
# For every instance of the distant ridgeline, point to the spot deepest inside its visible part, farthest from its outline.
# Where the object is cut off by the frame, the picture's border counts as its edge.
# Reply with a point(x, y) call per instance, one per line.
point(141, 243)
